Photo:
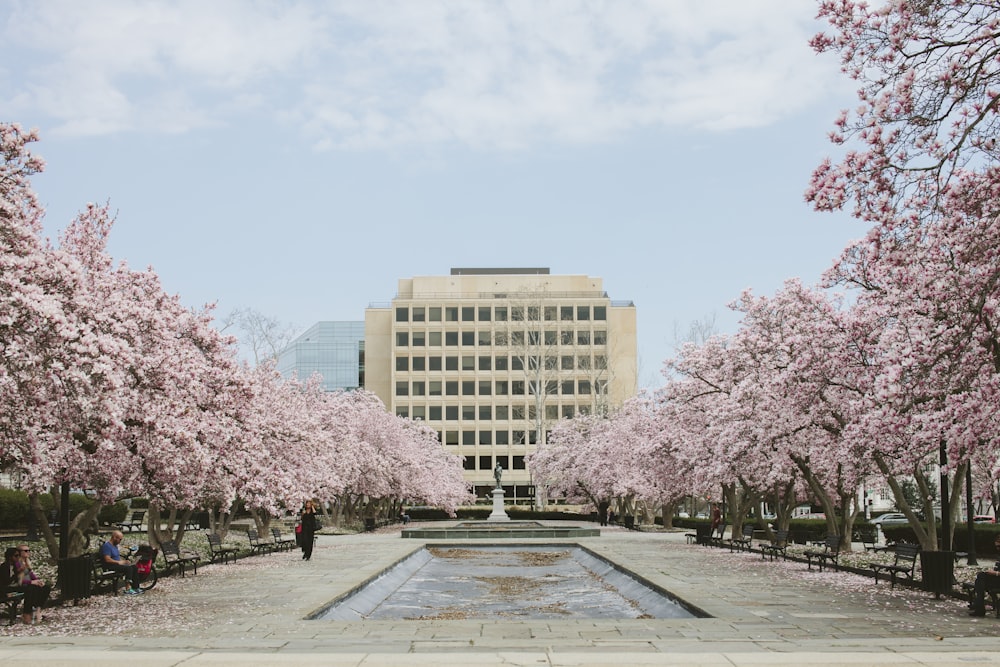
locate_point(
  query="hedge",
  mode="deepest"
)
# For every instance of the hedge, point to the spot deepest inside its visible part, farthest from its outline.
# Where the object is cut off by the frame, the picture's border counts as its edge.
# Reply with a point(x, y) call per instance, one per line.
point(14, 508)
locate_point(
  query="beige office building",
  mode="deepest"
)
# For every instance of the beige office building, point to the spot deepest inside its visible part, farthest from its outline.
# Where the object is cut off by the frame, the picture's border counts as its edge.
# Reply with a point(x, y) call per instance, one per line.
point(492, 358)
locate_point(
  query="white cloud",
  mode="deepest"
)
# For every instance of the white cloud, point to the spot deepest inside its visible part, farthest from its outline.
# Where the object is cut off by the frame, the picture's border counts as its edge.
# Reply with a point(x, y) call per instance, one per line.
point(388, 73)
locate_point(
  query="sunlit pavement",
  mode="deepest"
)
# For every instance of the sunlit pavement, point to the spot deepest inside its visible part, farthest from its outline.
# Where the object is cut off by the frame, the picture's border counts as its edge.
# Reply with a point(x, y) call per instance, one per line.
point(763, 613)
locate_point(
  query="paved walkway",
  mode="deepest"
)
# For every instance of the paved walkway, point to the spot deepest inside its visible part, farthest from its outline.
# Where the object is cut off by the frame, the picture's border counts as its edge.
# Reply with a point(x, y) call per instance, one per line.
point(254, 611)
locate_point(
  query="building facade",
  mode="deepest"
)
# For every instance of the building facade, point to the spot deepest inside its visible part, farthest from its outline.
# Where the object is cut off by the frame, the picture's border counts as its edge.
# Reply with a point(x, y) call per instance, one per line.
point(492, 358)
point(334, 350)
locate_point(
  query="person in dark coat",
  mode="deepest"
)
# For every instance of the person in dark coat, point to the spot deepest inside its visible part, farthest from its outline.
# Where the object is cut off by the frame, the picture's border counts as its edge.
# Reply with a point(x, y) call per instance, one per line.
point(308, 535)
point(987, 579)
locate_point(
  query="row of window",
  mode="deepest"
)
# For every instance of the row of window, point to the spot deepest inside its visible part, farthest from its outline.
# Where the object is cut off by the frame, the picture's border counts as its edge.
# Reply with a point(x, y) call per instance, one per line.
point(500, 313)
point(488, 337)
point(488, 412)
point(489, 438)
point(489, 462)
point(468, 362)
point(568, 387)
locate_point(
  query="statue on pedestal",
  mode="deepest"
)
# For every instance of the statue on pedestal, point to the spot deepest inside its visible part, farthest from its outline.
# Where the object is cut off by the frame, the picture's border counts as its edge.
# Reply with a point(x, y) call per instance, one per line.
point(498, 473)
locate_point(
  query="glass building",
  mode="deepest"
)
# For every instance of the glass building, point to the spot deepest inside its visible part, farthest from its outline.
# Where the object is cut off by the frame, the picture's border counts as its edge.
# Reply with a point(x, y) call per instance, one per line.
point(334, 350)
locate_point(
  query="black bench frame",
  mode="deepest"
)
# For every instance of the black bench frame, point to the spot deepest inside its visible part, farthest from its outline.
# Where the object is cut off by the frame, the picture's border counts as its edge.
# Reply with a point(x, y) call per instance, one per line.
point(992, 595)
point(172, 557)
point(280, 542)
point(902, 565)
point(258, 546)
point(11, 598)
point(828, 556)
point(778, 546)
point(218, 551)
point(742, 543)
point(135, 523)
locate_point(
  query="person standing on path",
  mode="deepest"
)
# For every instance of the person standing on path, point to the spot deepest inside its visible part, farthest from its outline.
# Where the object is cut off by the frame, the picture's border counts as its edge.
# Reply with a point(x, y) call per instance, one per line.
point(308, 522)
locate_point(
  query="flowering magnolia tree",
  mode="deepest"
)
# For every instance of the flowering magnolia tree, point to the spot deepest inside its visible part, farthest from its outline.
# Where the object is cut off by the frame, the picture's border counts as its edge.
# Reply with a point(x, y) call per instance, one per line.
point(109, 384)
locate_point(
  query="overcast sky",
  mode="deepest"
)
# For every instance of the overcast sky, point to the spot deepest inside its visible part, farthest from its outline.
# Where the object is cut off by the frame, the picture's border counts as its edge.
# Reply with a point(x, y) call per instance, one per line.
point(299, 157)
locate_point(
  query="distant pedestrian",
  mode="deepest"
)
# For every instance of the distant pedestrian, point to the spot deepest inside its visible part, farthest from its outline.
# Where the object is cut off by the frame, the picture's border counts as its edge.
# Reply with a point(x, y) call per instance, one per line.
point(308, 535)
point(602, 512)
point(716, 518)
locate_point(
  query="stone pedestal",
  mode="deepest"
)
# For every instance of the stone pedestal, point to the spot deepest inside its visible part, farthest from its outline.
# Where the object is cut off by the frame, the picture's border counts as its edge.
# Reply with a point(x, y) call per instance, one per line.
point(499, 513)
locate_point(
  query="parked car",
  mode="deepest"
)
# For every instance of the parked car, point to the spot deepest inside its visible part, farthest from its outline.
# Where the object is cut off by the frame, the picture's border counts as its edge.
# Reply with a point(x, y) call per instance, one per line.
point(983, 518)
point(889, 518)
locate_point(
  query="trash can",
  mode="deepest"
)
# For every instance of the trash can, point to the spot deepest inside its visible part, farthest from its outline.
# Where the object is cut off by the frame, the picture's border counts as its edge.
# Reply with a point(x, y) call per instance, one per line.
point(74, 577)
point(369, 524)
point(629, 521)
point(702, 532)
point(937, 571)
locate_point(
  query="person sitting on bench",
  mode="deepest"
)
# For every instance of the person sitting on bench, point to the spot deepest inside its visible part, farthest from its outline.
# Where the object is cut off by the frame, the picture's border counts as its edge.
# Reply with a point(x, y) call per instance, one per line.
point(112, 559)
point(985, 580)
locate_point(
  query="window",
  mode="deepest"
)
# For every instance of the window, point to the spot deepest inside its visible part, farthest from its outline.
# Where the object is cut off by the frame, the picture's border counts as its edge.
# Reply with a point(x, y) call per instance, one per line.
point(468, 362)
point(601, 387)
point(451, 437)
point(468, 313)
point(503, 437)
point(403, 314)
point(568, 386)
point(451, 413)
point(469, 463)
point(517, 437)
point(485, 412)
point(517, 363)
point(486, 437)
point(434, 314)
point(419, 388)
point(566, 313)
point(517, 412)
point(583, 363)
point(451, 314)
point(533, 313)
point(402, 389)
point(402, 339)
point(469, 412)
point(584, 386)
point(600, 337)
point(434, 363)
point(551, 362)
point(500, 338)
point(469, 388)
point(501, 313)
point(583, 338)
point(419, 363)
point(500, 363)
point(582, 313)
point(434, 388)
point(566, 362)
point(551, 337)
point(451, 363)
point(484, 313)
point(600, 313)
point(551, 387)
point(434, 339)
point(600, 362)
point(419, 338)
point(418, 313)
point(552, 412)
point(434, 413)
point(402, 411)
point(485, 363)
point(468, 338)
point(402, 363)
point(501, 387)
point(567, 411)
point(517, 313)
point(501, 412)
point(485, 387)
point(567, 337)
point(517, 338)
point(419, 412)
point(451, 388)
point(486, 463)
point(485, 338)
point(517, 387)
point(550, 313)
point(451, 338)
point(468, 437)
point(517, 462)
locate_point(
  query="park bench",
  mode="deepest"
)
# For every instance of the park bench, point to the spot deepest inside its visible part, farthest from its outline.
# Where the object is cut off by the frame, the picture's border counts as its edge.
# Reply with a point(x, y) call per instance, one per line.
point(281, 542)
point(715, 539)
point(134, 523)
point(868, 536)
point(777, 547)
point(10, 599)
point(172, 557)
point(828, 555)
point(902, 565)
point(104, 579)
point(743, 542)
point(219, 551)
point(257, 545)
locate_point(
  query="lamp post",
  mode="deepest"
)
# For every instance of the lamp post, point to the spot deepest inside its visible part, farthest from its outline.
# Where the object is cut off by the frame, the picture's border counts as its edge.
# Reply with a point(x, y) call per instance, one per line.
point(969, 523)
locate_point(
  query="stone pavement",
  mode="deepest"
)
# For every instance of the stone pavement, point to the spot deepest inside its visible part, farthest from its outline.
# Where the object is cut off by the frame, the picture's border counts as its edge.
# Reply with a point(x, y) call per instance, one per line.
point(763, 613)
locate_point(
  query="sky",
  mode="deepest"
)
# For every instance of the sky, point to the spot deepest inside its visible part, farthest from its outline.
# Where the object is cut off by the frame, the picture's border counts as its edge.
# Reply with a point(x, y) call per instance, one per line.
point(299, 157)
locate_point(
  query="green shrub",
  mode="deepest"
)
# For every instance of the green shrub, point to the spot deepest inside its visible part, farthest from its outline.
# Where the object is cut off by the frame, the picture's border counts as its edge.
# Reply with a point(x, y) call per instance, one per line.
point(13, 508)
